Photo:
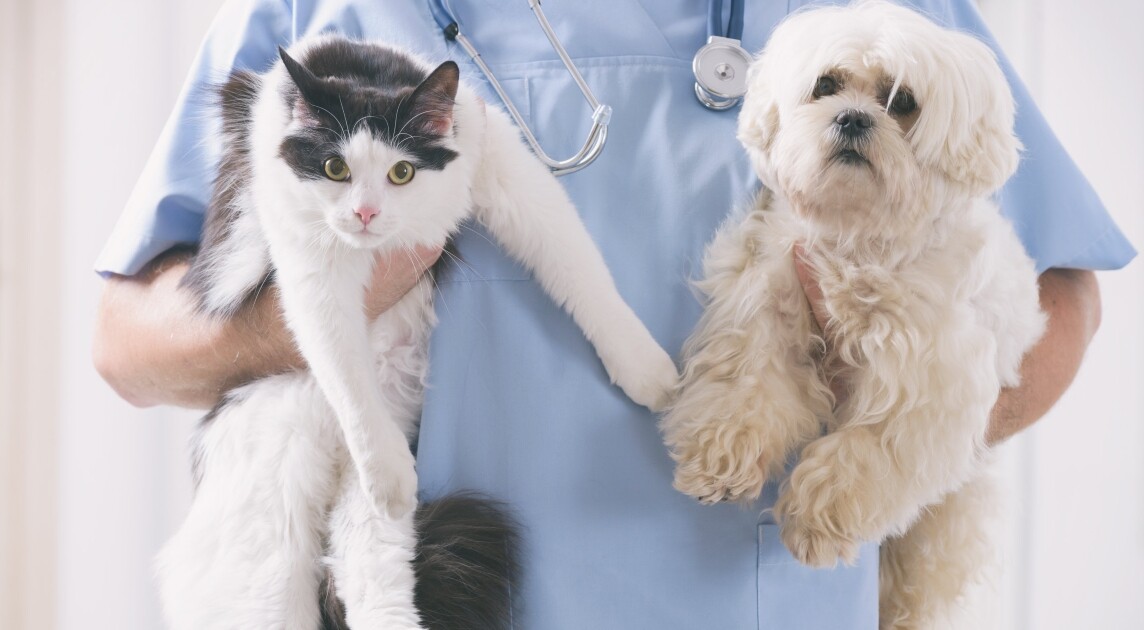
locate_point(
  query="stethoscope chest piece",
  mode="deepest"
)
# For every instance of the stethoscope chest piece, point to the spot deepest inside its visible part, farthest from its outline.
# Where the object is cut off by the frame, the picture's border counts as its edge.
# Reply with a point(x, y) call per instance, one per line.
point(721, 72)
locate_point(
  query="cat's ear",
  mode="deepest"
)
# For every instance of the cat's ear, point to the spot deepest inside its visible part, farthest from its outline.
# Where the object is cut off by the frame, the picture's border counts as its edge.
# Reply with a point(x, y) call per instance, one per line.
point(314, 91)
point(431, 105)
point(307, 81)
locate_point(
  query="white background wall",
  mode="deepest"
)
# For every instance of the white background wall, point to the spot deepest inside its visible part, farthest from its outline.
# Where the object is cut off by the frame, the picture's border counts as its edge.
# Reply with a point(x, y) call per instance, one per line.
point(1077, 533)
point(1075, 557)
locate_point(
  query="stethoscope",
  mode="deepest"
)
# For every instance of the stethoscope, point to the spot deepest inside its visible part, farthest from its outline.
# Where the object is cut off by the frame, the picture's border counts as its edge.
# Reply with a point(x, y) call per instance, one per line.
point(720, 69)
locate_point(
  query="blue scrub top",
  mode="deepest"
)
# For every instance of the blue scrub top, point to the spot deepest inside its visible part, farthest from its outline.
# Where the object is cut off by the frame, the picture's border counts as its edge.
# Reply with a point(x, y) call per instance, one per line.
point(518, 405)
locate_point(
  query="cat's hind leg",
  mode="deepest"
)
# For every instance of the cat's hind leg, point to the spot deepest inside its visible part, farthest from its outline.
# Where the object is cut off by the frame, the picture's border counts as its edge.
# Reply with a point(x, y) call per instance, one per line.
point(248, 553)
point(371, 562)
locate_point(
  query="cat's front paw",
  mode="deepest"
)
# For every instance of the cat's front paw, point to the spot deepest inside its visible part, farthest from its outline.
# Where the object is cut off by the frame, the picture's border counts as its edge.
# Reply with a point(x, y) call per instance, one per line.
point(389, 479)
point(645, 372)
point(720, 462)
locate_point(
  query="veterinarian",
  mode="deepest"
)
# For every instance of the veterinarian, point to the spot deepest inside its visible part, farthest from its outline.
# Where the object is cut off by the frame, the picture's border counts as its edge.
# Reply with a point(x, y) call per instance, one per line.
point(518, 404)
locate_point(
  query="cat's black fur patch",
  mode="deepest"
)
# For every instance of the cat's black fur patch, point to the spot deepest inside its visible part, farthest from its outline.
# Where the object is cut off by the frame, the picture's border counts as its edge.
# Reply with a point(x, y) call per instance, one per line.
point(236, 99)
point(333, 612)
point(467, 566)
point(467, 563)
point(343, 86)
point(353, 85)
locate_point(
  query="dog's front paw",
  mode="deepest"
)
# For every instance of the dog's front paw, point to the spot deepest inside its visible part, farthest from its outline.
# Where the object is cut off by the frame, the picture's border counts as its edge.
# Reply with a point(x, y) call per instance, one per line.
point(820, 516)
point(814, 544)
point(720, 462)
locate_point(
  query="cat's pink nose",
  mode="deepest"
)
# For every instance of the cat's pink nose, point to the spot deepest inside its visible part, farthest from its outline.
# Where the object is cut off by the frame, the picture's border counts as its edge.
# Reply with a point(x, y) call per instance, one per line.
point(366, 213)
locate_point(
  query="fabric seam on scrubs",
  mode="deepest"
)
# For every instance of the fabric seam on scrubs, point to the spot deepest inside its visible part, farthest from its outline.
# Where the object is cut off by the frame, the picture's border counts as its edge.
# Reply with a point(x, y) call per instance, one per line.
point(1111, 236)
point(627, 61)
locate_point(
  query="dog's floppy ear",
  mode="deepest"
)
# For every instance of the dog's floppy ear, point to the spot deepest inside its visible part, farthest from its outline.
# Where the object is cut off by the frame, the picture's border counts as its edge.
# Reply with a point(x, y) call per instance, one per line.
point(759, 117)
point(966, 128)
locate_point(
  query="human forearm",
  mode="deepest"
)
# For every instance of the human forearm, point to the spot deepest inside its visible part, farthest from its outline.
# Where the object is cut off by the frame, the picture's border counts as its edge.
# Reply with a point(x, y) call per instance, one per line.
point(1071, 299)
point(153, 348)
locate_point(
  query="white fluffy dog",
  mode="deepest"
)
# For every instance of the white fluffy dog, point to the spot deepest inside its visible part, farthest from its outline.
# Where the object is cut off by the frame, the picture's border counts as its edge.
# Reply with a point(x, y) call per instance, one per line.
point(882, 137)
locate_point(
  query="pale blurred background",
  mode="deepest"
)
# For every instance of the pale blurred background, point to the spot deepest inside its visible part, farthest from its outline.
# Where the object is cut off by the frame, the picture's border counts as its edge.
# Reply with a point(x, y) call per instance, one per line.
point(90, 487)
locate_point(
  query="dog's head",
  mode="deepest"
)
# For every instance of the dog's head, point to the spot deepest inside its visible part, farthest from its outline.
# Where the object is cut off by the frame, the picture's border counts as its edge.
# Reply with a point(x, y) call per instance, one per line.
point(872, 114)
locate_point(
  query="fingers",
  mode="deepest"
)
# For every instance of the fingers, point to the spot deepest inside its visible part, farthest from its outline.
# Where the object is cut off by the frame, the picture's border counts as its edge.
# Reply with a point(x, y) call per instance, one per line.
point(810, 287)
point(395, 273)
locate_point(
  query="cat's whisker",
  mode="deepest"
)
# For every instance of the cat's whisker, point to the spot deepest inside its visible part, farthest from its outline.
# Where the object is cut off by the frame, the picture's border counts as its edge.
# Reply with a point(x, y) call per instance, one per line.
point(428, 291)
point(340, 134)
point(482, 235)
point(413, 118)
point(364, 119)
point(464, 263)
point(261, 285)
point(440, 297)
point(320, 235)
point(361, 120)
point(345, 118)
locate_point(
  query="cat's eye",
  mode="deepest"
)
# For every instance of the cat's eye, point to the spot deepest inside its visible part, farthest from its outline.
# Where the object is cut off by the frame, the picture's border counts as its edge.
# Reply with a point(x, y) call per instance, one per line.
point(903, 103)
point(336, 169)
point(401, 173)
point(825, 86)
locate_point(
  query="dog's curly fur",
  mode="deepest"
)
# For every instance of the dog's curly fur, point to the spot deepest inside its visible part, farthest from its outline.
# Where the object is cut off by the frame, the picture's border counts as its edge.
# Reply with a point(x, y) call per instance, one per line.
point(882, 137)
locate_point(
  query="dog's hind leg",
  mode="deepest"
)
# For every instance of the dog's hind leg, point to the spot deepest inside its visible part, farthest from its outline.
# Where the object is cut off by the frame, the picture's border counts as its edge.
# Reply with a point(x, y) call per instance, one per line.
point(925, 572)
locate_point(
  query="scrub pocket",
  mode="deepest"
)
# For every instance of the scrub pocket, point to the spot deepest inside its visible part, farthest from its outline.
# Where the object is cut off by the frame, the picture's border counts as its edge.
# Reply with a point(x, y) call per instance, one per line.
point(796, 597)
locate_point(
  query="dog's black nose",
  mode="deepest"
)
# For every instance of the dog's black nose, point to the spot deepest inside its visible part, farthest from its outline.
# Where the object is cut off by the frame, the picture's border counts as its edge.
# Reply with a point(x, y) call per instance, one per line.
point(853, 122)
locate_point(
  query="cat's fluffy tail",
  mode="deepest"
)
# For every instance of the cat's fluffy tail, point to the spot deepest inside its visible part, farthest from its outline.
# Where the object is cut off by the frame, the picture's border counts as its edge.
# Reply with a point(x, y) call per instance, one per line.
point(466, 565)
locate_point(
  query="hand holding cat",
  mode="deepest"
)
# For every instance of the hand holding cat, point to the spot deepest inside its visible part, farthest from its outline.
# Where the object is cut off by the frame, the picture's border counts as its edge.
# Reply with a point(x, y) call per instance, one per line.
point(394, 274)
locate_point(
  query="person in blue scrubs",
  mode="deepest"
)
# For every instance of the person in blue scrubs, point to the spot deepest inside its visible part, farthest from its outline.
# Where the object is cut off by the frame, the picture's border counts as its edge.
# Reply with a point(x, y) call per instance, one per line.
point(518, 406)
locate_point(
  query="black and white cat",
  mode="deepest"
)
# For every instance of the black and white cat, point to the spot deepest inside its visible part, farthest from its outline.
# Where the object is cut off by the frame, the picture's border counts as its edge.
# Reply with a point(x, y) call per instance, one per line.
point(353, 149)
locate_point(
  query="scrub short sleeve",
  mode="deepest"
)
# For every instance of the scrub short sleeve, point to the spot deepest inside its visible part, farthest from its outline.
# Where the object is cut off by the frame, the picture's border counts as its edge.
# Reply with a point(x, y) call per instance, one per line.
point(1054, 209)
point(167, 205)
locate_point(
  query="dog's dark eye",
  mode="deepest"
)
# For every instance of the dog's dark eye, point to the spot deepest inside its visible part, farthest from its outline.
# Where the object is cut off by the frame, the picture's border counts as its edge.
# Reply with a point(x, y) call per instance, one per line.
point(903, 104)
point(825, 86)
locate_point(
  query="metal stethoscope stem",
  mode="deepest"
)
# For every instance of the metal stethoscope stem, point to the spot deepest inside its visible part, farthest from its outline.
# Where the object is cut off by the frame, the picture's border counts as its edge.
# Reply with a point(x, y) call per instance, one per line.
point(720, 67)
point(601, 114)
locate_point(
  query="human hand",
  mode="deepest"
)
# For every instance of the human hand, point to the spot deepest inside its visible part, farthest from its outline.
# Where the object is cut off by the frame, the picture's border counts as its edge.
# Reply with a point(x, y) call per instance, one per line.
point(394, 274)
point(809, 281)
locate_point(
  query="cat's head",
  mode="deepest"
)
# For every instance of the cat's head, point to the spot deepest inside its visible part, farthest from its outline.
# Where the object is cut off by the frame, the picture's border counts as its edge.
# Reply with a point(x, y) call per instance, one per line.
point(372, 140)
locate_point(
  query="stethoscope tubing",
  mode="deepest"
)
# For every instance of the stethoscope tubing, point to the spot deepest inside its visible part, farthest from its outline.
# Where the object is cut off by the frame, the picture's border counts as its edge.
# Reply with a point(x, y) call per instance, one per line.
point(709, 95)
point(601, 114)
point(734, 28)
